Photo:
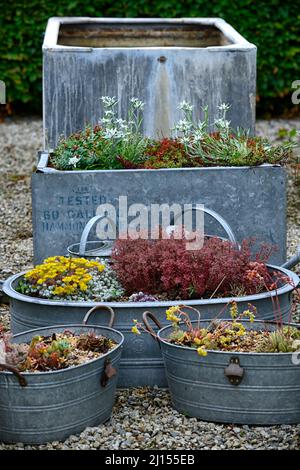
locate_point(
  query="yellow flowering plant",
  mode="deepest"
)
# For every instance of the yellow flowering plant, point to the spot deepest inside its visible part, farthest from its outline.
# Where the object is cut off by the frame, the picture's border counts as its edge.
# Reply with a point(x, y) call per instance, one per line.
point(218, 335)
point(60, 276)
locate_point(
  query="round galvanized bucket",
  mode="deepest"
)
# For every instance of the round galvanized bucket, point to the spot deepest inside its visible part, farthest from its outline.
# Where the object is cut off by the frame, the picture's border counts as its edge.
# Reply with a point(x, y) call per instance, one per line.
point(141, 362)
point(40, 407)
point(232, 387)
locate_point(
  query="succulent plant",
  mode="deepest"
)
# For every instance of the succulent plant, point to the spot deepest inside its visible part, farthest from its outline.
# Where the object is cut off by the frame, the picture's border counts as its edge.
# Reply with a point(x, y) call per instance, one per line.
point(141, 297)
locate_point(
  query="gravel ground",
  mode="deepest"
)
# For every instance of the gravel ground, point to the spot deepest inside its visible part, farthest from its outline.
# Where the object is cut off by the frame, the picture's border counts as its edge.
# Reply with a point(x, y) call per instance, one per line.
point(143, 418)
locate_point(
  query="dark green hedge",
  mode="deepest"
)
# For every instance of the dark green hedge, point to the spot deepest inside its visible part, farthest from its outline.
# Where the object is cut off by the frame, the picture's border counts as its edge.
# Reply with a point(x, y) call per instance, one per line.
point(273, 25)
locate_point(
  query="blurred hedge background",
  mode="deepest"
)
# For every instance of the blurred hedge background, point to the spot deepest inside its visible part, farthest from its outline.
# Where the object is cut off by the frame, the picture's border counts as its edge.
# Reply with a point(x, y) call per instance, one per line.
point(273, 25)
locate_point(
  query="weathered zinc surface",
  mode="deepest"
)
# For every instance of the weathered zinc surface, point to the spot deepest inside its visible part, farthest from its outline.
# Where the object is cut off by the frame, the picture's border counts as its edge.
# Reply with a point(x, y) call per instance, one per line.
point(54, 405)
point(251, 200)
point(162, 62)
point(225, 387)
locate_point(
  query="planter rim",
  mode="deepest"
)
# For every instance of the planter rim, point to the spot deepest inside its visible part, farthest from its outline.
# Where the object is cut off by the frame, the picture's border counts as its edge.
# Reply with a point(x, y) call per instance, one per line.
point(70, 326)
point(53, 25)
point(231, 353)
point(42, 167)
point(11, 292)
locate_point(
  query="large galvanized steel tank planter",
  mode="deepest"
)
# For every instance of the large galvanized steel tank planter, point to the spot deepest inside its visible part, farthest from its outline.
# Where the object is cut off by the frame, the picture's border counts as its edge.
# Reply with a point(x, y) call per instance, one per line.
point(251, 199)
point(232, 387)
point(39, 407)
point(160, 61)
point(141, 362)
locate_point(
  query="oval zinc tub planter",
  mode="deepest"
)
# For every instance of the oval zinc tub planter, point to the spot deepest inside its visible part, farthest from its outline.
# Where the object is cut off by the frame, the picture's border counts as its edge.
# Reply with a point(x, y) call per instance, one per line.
point(141, 362)
point(39, 407)
point(231, 387)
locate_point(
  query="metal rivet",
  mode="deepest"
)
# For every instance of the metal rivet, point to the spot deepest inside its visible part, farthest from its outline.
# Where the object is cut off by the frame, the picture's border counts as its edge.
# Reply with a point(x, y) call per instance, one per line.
point(162, 58)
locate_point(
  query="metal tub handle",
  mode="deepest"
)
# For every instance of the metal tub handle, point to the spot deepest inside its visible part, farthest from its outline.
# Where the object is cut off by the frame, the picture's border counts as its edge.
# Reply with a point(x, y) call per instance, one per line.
point(217, 217)
point(98, 307)
point(146, 316)
point(20, 377)
point(87, 229)
point(292, 261)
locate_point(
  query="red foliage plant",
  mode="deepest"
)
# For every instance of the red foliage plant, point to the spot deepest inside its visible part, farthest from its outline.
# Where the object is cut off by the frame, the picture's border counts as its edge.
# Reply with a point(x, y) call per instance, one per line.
point(166, 266)
point(166, 153)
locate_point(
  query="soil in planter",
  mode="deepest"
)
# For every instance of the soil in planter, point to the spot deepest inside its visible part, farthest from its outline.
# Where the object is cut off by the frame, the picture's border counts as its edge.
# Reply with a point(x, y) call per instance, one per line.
point(59, 351)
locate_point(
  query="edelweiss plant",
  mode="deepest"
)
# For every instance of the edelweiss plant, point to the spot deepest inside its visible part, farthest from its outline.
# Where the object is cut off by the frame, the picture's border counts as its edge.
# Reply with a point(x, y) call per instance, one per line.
point(106, 145)
point(225, 335)
point(117, 143)
point(225, 146)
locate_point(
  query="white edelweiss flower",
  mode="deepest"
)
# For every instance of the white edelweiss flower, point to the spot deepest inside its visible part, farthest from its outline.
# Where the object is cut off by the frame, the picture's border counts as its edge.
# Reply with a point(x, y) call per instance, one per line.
point(184, 140)
point(125, 128)
point(185, 106)
point(198, 135)
point(136, 103)
point(74, 160)
point(109, 113)
point(183, 125)
point(120, 121)
point(111, 133)
point(224, 106)
point(105, 120)
point(109, 101)
point(222, 123)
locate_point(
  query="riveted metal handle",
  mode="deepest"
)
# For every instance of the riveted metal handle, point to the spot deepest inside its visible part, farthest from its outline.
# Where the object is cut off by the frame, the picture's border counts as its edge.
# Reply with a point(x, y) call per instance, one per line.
point(20, 377)
point(108, 372)
point(217, 217)
point(146, 316)
point(234, 372)
point(87, 229)
point(99, 307)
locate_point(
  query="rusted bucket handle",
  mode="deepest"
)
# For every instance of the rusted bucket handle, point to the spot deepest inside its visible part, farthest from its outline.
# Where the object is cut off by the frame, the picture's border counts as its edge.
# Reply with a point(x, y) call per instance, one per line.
point(20, 377)
point(147, 315)
point(87, 229)
point(98, 307)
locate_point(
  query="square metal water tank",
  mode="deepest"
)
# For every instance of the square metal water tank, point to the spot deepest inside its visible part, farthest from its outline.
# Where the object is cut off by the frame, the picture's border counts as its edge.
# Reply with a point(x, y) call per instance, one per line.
point(160, 61)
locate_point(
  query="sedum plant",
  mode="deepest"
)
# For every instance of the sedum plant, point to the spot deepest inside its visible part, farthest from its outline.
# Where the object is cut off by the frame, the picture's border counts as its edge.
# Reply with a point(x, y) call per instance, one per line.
point(226, 335)
point(58, 351)
point(62, 278)
point(166, 267)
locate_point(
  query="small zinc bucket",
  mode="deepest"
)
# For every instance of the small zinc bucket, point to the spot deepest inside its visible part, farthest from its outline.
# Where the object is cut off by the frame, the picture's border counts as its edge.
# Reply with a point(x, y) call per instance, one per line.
point(40, 407)
point(231, 387)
